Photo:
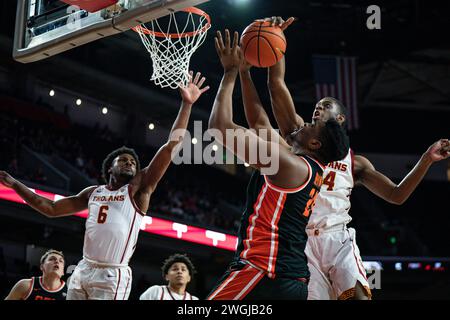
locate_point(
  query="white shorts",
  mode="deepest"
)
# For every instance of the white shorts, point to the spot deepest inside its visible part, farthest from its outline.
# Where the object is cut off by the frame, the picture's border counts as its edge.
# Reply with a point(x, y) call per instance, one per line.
point(93, 282)
point(335, 264)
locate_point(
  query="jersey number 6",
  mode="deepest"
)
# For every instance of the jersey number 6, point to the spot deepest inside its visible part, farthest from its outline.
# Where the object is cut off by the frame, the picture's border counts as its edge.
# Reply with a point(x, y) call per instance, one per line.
point(102, 214)
point(329, 180)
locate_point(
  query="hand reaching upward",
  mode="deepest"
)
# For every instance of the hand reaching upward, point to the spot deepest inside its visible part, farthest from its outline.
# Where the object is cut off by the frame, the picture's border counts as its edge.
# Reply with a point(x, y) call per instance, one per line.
point(193, 90)
point(229, 53)
point(279, 21)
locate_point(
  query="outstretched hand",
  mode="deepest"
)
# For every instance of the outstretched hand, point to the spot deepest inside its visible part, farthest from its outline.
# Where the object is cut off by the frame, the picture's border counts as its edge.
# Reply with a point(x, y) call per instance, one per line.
point(279, 21)
point(6, 179)
point(229, 53)
point(439, 150)
point(194, 89)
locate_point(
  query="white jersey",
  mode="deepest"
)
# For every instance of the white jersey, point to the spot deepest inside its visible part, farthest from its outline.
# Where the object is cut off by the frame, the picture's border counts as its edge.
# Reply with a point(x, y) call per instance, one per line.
point(333, 201)
point(112, 226)
point(163, 293)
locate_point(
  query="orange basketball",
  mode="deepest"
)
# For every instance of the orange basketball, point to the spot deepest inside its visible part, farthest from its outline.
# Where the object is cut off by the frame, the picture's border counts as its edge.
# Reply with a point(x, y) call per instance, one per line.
point(263, 45)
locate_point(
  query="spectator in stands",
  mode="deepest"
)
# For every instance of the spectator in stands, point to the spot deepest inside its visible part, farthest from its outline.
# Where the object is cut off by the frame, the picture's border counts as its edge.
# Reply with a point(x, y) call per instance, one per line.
point(178, 271)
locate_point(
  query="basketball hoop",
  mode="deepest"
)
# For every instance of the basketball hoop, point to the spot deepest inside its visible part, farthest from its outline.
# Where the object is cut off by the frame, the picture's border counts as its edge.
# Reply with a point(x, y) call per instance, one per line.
point(171, 48)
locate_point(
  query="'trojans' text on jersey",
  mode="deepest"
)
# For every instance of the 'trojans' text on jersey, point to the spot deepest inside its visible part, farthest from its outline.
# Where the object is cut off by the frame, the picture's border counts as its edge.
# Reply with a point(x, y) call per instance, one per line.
point(337, 166)
point(109, 198)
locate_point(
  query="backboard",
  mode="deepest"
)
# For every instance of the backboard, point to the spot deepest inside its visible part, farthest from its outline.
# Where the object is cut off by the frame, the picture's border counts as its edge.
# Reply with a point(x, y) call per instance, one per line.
point(45, 28)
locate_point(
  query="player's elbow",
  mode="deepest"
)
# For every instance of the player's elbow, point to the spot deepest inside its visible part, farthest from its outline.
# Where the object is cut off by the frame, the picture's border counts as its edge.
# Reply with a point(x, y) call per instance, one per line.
point(50, 213)
point(172, 145)
point(212, 123)
point(215, 124)
point(260, 124)
point(397, 199)
point(398, 202)
point(47, 210)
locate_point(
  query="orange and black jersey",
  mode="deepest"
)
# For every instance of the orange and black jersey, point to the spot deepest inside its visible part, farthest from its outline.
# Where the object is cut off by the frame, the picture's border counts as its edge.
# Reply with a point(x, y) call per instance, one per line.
point(39, 292)
point(272, 234)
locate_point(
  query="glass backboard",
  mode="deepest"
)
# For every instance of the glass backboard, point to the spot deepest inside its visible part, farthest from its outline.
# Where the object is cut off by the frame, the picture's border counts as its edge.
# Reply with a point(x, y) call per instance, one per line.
point(45, 28)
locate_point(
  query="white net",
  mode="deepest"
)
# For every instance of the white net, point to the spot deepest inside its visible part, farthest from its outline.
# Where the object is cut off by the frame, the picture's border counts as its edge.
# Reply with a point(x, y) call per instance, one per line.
point(171, 47)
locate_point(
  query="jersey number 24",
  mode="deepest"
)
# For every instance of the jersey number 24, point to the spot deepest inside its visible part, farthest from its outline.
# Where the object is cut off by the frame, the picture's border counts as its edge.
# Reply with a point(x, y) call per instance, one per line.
point(329, 180)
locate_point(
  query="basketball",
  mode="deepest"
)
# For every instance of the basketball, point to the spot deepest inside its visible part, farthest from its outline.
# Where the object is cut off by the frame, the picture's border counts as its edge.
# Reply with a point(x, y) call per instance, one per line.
point(263, 45)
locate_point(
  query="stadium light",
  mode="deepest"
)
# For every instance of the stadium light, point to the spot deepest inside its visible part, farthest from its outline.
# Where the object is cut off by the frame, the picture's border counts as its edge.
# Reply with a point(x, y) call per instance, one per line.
point(51, 93)
point(241, 2)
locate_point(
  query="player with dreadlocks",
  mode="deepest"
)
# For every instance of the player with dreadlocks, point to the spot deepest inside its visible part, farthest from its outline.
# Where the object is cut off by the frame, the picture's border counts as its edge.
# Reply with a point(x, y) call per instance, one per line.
point(116, 210)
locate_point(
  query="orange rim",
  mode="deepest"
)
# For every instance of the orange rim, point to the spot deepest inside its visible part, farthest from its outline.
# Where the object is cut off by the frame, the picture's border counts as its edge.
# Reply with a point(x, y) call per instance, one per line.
point(141, 29)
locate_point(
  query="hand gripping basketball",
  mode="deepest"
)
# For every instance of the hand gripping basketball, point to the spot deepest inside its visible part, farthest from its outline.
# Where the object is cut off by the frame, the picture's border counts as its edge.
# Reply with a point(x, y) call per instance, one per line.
point(263, 42)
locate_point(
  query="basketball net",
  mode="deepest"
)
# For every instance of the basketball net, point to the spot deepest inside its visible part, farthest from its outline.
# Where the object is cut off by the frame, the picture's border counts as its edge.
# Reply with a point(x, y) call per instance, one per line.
point(171, 47)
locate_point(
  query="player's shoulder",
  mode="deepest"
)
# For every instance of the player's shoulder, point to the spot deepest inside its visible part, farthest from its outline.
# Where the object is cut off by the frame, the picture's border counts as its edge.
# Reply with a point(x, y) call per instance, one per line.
point(86, 192)
point(151, 293)
point(26, 282)
point(312, 163)
point(361, 162)
point(156, 288)
point(22, 287)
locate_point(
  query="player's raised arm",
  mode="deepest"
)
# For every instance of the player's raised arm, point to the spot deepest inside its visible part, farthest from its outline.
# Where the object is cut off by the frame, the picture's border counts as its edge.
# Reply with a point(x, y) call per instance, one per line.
point(49, 208)
point(244, 143)
point(382, 186)
point(282, 104)
point(221, 117)
point(152, 174)
point(255, 114)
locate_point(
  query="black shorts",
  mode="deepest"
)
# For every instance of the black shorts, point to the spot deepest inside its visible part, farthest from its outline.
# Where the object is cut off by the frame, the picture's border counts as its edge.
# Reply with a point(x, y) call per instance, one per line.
point(244, 282)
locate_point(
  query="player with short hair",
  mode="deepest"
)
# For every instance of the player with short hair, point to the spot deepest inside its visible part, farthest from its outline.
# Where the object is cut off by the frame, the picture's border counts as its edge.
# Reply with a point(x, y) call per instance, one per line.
point(178, 271)
point(116, 210)
point(269, 261)
point(49, 286)
point(334, 259)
